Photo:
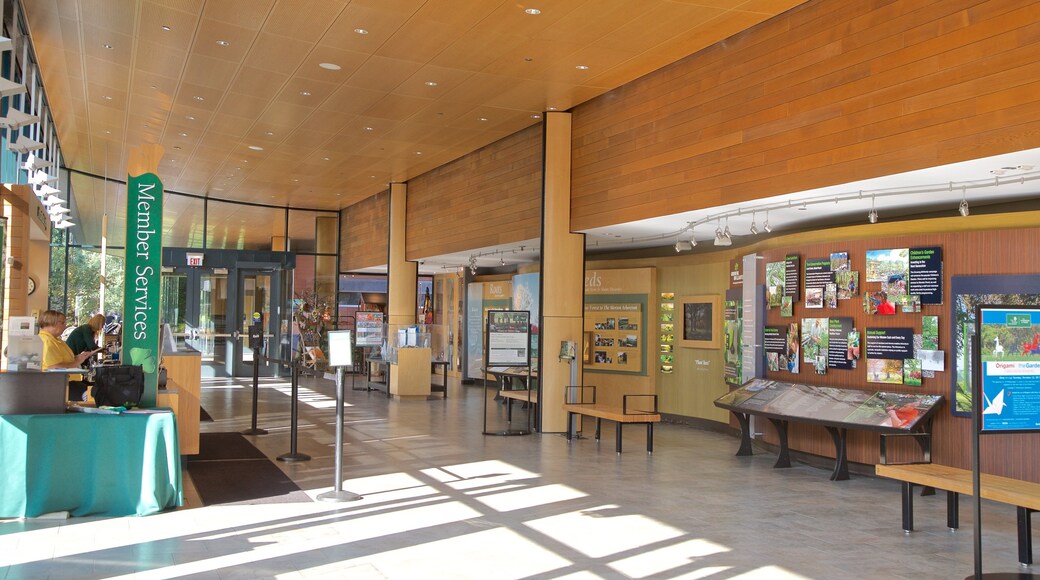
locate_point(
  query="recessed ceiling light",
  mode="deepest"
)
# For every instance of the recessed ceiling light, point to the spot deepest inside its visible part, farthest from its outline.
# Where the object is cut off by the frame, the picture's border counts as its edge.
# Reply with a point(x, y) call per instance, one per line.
point(360, 31)
point(305, 93)
point(329, 66)
point(483, 119)
point(324, 158)
point(418, 152)
point(256, 148)
point(166, 28)
point(551, 108)
point(536, 116)
point(295, 180)
point(528, 59)
point(108, 46)
point(108, 132)
point(369, 129)
point(176, 146)
point(582, 67)
point(106, 97)
point(154, 87)
point(372, 176)
point(190, 118)
point(217, 189)
point(532, 11)
point(223, 43)
point(431, 83)
point(269, 133)
point(199, 98)
point(183, 134)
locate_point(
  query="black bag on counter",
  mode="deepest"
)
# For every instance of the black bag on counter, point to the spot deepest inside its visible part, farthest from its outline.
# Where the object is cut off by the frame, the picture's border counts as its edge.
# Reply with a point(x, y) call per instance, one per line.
point(118, 386)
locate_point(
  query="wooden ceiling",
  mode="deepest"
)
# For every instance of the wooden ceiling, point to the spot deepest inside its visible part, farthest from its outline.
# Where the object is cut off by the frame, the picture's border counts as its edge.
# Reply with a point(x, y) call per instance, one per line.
point(235, 91)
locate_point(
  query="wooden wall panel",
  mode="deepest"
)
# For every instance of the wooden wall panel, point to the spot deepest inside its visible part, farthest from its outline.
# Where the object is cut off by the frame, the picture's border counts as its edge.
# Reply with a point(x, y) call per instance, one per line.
point(829, 92)
point(966, 251)
point(491, 196)
point(365, 233)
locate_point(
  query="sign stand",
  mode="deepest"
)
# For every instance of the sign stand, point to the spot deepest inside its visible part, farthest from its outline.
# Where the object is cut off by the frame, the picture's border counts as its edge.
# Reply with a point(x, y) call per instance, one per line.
point(508, 344)
point(340, 354)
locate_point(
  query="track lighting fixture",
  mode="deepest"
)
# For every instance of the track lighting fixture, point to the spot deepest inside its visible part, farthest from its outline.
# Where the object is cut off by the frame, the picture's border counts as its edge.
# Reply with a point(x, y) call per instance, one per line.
point(872, 216)
point(963, 209)
point(678, 246)
point(754, 226)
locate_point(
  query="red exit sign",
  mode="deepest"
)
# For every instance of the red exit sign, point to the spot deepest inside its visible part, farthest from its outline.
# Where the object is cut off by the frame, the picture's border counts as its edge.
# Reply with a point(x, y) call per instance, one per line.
point(194, 259)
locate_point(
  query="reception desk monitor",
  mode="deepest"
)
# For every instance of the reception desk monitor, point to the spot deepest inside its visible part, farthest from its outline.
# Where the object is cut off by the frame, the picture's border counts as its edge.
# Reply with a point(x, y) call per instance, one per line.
point(32, 392)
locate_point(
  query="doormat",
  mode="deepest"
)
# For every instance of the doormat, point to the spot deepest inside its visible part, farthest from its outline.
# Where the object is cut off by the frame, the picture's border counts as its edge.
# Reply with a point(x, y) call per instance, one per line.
point(229, 470)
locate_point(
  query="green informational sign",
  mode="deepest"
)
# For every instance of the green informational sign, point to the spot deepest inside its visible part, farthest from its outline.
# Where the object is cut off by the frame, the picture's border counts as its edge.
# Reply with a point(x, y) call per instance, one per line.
point(143, 269)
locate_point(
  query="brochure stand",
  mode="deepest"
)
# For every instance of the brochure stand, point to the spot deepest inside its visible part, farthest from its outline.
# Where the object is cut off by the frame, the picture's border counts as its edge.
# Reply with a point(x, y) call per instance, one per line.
point(507, 343)
point(340, 354)
point(256, 343)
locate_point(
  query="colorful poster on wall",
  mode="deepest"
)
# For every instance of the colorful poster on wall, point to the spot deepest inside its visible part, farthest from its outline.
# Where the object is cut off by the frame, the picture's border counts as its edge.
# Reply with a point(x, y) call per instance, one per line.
point(144, 214)
point(838, 330)
point(475, 330)
point(791, 273)
point(525, 297)
point(774, 342)
point(815, 342)
point(817, 275)
point(732, 352)
point(793, 348)
point(369, 327)
point(776, 283)
point(888, 265)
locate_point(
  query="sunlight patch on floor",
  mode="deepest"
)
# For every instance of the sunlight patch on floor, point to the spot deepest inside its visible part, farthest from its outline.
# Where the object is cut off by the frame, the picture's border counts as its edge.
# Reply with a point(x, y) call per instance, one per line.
point(605, 530)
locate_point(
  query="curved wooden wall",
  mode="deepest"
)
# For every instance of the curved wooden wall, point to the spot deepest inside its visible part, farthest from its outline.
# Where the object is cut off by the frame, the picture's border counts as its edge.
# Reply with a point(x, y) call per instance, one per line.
point(827, 93)
point(491, 196)
point(967, 251)
point(365, 234)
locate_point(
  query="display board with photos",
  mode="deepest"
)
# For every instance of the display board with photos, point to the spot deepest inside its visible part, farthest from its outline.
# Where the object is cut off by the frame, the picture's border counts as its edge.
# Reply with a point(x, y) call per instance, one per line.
point(508, 335)
point(1008, 359)
point(872, 410)
point(618, 336)
point(369, 328)
point(666, 334)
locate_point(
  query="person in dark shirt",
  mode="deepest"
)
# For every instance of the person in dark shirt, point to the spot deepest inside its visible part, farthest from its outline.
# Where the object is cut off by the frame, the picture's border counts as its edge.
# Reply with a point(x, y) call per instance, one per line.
point(82, 339)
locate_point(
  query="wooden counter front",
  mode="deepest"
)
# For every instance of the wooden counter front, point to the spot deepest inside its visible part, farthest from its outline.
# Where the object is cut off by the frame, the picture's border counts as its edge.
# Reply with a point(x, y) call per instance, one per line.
point(184, 375)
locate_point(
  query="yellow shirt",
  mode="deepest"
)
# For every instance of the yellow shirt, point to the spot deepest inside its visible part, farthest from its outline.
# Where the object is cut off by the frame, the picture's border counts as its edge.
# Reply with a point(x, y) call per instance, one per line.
point(56, 352)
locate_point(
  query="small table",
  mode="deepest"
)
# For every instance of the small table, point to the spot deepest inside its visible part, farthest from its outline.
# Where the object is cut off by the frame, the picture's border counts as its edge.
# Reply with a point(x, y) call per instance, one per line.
point(88, 464)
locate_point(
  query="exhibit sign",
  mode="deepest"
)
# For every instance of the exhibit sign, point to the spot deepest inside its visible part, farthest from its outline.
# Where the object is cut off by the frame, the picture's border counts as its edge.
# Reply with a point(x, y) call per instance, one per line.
point(341, 353)
point(1009, 375)
point(369, 327)
point(508, 338)
point(141, 303)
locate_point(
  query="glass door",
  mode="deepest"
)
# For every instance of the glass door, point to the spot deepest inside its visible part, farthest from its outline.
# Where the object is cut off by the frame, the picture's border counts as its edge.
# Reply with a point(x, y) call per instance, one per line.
point(212, 333)
point(257, 292)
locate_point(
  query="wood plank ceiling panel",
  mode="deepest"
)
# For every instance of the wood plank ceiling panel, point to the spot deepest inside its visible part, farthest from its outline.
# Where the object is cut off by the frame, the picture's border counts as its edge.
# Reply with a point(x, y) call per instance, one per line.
point(413, 75)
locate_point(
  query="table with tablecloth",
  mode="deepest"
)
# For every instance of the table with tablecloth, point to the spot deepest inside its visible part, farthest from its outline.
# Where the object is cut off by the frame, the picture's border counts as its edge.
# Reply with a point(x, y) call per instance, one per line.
point(88, 464)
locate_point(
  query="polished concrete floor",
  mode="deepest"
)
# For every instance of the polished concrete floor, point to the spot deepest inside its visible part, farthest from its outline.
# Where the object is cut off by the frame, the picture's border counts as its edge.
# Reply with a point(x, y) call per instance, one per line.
point(441, 500)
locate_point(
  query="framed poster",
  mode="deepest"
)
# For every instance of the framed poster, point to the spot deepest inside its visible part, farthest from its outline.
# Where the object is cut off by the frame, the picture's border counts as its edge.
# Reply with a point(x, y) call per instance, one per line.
point(369, 327)
point(701, 327)
point(1008, 363)
point(508, 338)
point(341, 354)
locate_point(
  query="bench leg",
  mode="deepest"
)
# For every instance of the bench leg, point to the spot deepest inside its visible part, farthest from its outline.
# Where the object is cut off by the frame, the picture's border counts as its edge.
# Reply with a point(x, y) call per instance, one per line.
point(1025, 536)
point(783, 458)
point(745, 433)
point(617, 435)
point(953, 510)
point(509, 411)
point(572, 428)
point(908, 507)
point(650, 438)
point(597, 429)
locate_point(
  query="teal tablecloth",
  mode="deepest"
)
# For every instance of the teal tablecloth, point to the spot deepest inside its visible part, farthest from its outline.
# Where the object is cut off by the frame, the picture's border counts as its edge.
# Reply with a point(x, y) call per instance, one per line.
point(88, 464)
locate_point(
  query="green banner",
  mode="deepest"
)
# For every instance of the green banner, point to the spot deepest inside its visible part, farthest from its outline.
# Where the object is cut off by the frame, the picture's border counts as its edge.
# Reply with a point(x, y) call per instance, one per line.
point(143, 269)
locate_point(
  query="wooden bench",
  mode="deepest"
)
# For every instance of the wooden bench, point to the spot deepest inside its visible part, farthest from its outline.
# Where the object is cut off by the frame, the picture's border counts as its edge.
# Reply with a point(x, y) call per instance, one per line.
point(1024, 495)
point(626, 413)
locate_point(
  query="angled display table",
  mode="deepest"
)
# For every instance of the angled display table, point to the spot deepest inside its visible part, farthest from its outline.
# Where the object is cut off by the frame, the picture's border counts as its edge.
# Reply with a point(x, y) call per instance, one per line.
point(837, 410)
point(88, 464)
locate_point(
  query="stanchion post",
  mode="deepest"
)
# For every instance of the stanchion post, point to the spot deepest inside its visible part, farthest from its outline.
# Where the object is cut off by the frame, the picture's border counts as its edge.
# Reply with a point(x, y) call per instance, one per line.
point(293, 455)
point(255, 343)
point(338, 494)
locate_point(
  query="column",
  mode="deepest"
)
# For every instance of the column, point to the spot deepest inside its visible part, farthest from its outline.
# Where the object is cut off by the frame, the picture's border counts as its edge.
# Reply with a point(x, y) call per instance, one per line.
point(402, 275)
point(563, 269)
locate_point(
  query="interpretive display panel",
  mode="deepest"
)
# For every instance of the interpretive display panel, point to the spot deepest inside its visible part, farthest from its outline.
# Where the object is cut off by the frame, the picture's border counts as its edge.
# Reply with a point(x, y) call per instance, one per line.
point(508, 338)
point(866, 409)
point(369, 326)
point(1009, 376)
point(341, 353)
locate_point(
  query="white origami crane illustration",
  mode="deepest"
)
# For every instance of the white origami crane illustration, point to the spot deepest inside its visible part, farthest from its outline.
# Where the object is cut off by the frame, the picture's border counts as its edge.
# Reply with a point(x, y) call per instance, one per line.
point(995, 406)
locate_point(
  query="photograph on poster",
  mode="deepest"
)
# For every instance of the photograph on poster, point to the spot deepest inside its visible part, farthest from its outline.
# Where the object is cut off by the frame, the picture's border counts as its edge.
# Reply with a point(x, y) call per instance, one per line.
point(814, 297)
point(847, 282)
point(932, 360)
point(787, 307)
point(912, 372)
point(839, 261)
point(884, 370)
point(700, 321)
point(883, 264)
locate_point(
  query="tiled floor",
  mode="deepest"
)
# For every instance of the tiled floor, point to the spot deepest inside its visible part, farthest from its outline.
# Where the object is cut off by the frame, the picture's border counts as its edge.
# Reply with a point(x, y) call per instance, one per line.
point(443, 501)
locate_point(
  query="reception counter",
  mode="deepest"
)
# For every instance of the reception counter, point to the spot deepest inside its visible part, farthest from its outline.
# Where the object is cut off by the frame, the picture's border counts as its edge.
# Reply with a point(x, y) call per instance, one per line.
point(87, 464)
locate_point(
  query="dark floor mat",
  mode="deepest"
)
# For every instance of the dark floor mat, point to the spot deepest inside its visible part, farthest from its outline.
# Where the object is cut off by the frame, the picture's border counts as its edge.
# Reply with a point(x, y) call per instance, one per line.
point(230, 470)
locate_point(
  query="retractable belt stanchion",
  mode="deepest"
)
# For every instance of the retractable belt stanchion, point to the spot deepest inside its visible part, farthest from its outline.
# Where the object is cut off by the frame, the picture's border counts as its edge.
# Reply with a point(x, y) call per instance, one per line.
point(338, 494)
point(256, 343)
point(293, 455)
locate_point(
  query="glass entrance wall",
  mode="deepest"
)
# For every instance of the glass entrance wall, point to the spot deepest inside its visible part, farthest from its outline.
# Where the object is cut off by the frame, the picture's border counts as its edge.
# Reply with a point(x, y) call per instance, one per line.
point(212, 331)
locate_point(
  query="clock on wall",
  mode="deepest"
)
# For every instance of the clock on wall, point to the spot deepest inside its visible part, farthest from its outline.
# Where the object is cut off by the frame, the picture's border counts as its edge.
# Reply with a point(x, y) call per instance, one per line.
point(32, 285)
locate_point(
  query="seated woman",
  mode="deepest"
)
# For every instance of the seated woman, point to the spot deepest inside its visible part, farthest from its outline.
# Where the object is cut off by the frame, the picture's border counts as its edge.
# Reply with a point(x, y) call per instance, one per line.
point(58, 355)
point(82, 339)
